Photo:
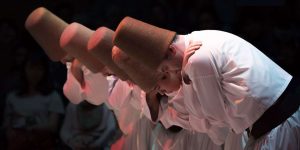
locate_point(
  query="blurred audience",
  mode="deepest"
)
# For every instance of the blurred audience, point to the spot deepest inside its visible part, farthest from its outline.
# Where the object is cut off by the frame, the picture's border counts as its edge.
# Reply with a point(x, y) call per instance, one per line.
point(32, 111)
point(87, 127)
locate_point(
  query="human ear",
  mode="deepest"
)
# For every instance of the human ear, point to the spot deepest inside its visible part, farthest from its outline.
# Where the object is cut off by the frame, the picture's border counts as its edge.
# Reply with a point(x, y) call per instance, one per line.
point(171, 51)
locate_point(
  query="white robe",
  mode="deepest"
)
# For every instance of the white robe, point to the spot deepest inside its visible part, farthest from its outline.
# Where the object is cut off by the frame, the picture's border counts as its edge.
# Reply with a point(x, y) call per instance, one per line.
point(134, 119)
point(176, 114)
point(232, 85)
point(129, 105)
point(94, 91)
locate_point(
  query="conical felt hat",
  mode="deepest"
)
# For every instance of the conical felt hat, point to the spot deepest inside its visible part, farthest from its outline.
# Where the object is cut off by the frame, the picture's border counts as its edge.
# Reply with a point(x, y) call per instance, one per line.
point(46, 28)
point(142, 41)
point(74, 41)
point(137, 72)
point(100, 45)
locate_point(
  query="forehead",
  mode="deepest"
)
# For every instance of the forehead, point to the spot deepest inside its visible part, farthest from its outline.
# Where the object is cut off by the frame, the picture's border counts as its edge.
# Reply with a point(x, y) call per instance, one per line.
point(162, 65)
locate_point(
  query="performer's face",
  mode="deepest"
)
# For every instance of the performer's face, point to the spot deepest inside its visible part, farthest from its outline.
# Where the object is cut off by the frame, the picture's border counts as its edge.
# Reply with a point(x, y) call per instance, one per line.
point(168, 82)
point(172, 60)
point(35, 72)
point(169, 71)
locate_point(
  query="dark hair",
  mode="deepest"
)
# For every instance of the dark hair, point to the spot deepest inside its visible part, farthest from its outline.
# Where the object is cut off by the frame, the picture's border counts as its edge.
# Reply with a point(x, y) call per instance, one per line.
point(44, 86)
point(175, 39)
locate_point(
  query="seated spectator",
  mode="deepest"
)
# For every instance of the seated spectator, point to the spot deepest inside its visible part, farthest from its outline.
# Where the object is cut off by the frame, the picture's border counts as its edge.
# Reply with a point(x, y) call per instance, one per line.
point(32, 111)
point(88, 126)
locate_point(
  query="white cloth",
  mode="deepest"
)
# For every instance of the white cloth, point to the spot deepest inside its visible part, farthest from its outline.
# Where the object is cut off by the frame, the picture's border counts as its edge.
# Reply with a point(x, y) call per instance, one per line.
point(96, 87)
point(163, 139)
point(129, 105)
point(235, 141)
point(119, 102)
point(20, 111)
point(176, 114)
point(95, 90)
point(283, 137)
point(139, 138)
point(123, 98)
point(72, 88)
point(129, 100)
point(232, 83)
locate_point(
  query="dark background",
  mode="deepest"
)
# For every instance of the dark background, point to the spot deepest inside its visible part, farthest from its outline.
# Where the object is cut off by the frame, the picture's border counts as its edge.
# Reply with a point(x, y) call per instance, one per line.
point(271, 25)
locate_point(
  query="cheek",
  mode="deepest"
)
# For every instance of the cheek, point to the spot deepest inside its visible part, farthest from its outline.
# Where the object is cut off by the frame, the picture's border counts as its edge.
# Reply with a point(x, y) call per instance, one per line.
point(171, 84)
point(175, 80)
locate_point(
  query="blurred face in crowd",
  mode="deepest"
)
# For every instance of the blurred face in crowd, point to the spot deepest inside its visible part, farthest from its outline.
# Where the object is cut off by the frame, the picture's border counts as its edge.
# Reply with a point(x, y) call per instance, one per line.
point(20, 55)
point(34, 72)
point(168, 82)
point(7, 33)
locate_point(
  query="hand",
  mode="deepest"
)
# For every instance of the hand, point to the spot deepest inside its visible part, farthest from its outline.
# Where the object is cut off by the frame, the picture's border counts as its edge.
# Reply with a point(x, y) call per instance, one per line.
point(193, 46)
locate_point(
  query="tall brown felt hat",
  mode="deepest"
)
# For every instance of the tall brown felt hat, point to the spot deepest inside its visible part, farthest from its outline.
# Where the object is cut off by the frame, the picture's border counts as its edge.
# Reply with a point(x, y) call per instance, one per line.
point(100, 45)
point(138, 73)
point(46, 28)
point(74, 40)
point(142, 41)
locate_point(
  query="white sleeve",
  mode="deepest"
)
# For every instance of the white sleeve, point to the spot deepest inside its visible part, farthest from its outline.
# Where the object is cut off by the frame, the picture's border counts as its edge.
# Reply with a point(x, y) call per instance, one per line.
point(119, 100)
point(176, 113)
point(72, 88)
point(96, 87)
point(224, 86)
point(120, 95)
point(206, 101)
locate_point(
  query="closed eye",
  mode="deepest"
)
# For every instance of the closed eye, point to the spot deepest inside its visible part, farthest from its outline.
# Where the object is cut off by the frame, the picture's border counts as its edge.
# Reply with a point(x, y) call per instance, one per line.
point(163, 77)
